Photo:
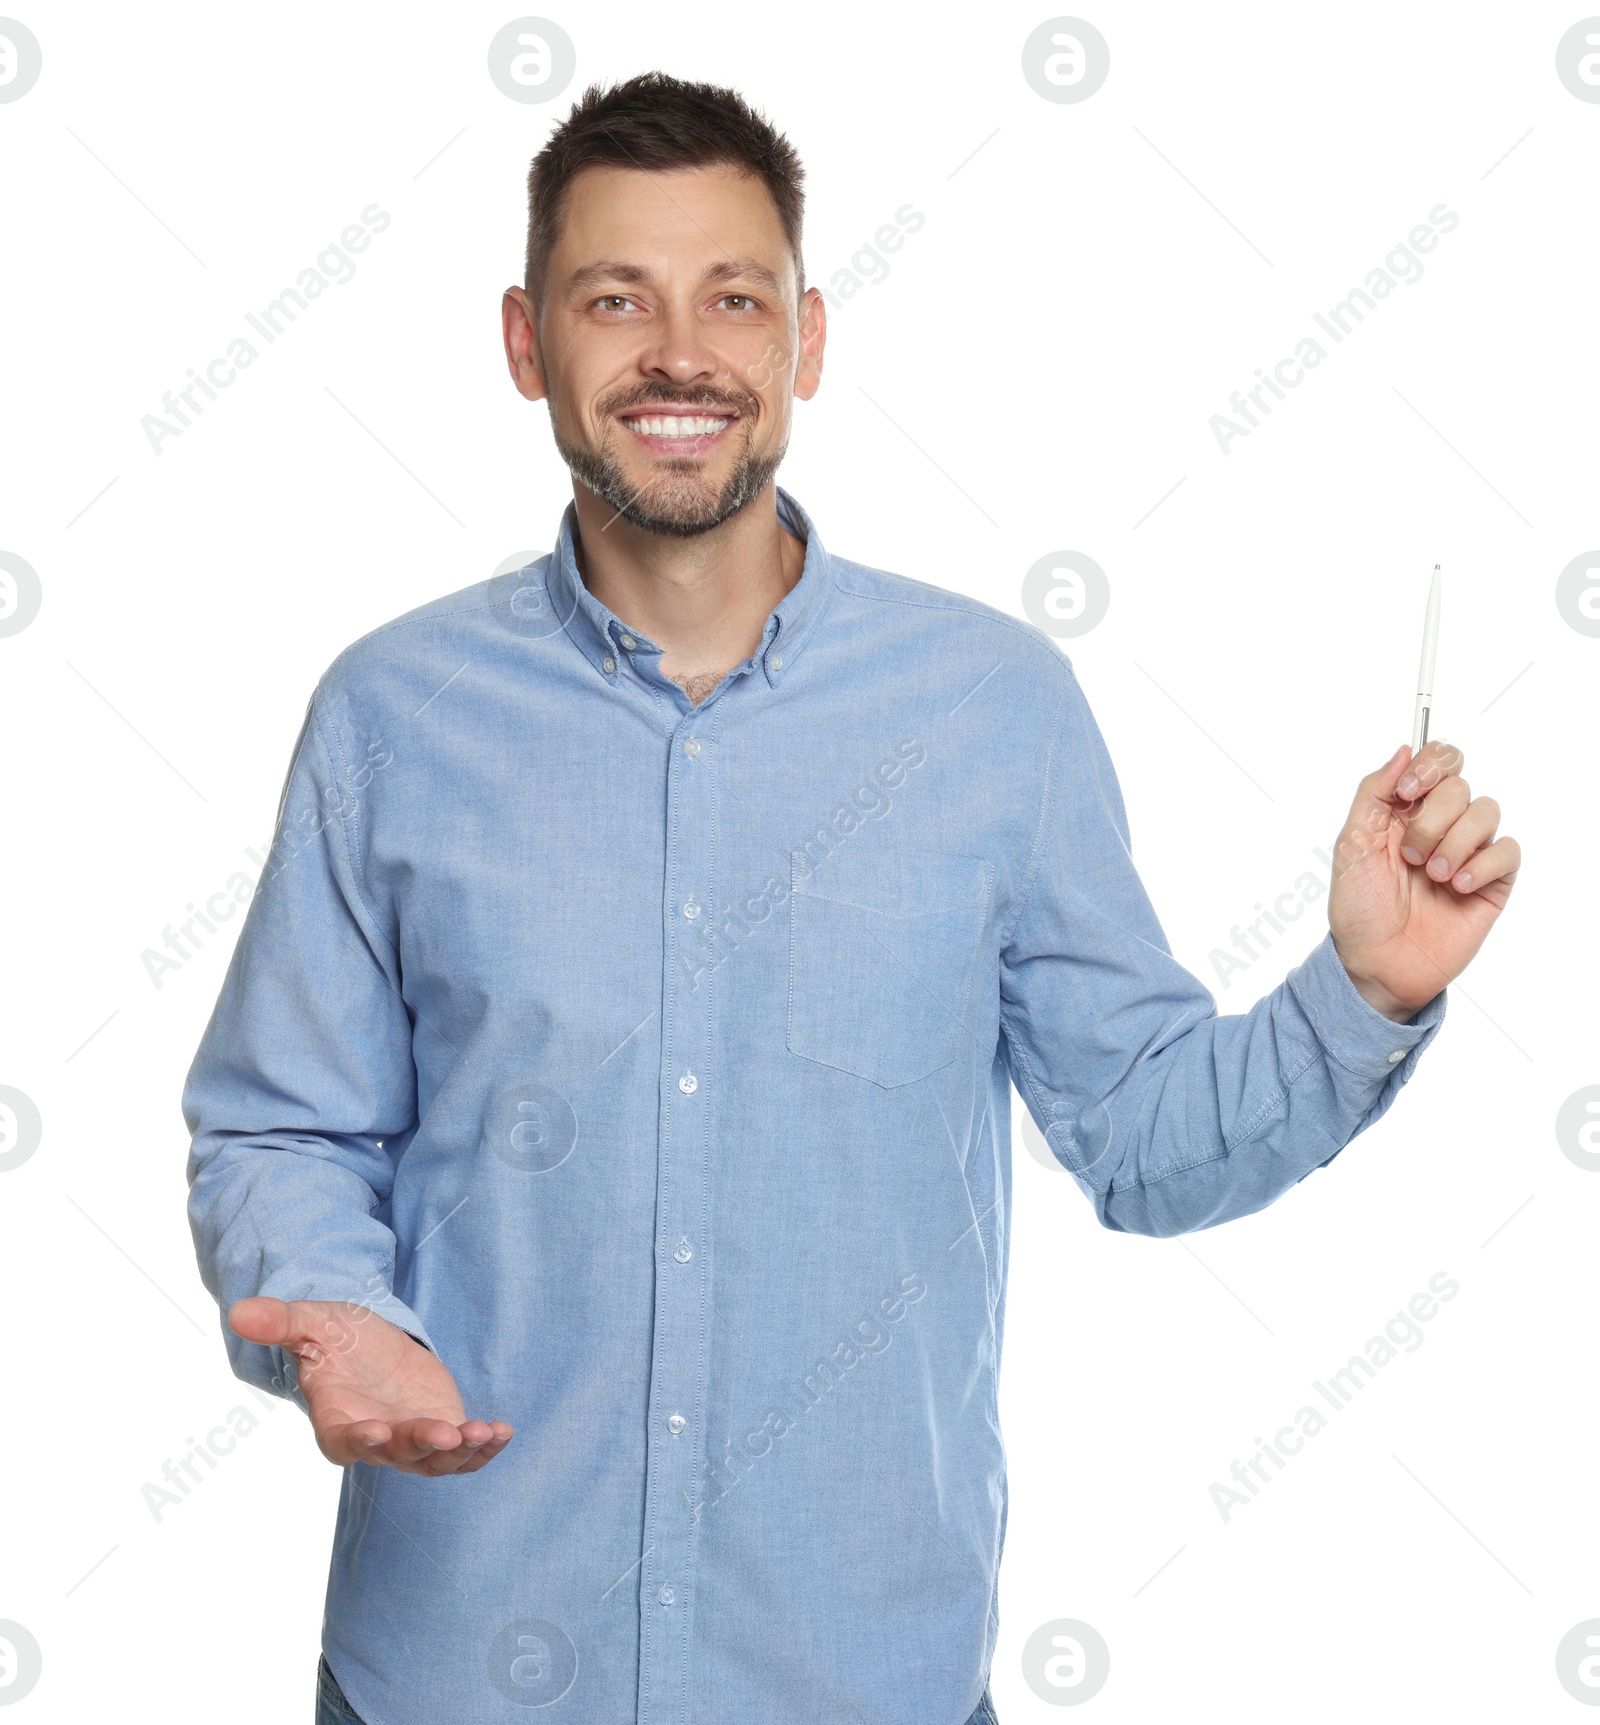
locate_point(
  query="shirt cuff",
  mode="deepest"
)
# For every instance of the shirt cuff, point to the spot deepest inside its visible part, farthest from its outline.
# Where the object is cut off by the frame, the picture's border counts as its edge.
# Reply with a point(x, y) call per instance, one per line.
point(1352, 1030)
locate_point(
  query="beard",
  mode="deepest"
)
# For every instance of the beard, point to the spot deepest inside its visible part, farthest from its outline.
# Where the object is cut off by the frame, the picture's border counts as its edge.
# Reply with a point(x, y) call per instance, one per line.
point(680, 502)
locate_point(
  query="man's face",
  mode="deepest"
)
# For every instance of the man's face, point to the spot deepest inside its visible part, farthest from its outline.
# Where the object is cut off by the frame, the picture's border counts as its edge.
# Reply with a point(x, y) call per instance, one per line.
point(670, 343)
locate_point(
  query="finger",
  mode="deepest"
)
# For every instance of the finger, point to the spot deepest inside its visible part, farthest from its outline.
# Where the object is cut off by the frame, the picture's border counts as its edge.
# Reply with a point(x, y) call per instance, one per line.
point(477, 1450)
point(407, 1445)
point(443, 1462)
point(308, 1329)
point(355, 1440)
point(455, 1458)
point(1471, 831)
point(1499, 861)
point(383, 1445)
point(500, 1434)
point(1428, 821)
point(420, 1439)
point(476, 1463)
point(482, 1457)
point(1376, 792)
point(1433, 763)
point(260, 1319)
point(422, 1446)
point(1371, 812)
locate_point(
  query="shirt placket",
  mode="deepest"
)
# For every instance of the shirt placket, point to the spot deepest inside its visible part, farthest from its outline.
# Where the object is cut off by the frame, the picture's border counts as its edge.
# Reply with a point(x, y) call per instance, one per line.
point(675, 1439)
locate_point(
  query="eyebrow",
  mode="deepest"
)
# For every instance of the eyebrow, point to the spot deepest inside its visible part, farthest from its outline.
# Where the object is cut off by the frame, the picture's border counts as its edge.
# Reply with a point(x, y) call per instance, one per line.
point(617, 270)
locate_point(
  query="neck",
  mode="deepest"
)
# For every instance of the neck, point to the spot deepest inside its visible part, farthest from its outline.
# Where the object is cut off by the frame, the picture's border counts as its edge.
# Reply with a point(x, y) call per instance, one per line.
point(705, 600)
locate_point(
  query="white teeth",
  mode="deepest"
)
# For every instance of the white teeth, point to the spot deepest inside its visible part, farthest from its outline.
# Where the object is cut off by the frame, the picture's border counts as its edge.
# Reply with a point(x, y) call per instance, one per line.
point(668, 425)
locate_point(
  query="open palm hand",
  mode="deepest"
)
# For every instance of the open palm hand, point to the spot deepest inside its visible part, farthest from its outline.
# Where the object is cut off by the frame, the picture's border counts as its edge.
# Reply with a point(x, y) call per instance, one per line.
point(375, 1394)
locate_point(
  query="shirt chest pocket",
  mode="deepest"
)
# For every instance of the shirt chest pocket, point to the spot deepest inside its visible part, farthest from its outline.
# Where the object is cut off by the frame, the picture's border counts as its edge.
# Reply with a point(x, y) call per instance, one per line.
point(882, 951)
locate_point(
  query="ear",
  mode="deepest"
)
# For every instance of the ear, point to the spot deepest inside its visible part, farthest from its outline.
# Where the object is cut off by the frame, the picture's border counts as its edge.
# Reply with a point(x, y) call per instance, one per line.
point(813, 338)
point(519, 325)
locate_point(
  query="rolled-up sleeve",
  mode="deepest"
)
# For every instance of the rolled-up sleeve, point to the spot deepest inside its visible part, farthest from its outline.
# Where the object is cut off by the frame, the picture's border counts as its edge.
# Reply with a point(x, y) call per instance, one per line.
point(1170, 1117)
point(303, 1087)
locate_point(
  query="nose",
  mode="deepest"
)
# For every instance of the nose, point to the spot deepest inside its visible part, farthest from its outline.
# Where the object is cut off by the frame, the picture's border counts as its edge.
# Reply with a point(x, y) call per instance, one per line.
point(678, 354)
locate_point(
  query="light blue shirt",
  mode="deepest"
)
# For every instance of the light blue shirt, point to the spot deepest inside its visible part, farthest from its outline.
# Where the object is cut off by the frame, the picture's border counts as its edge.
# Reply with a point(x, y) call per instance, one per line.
point(651, 1062)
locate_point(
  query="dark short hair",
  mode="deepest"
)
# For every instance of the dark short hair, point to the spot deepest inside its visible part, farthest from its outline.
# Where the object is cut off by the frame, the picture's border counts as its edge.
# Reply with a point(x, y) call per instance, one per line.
point(657, 122)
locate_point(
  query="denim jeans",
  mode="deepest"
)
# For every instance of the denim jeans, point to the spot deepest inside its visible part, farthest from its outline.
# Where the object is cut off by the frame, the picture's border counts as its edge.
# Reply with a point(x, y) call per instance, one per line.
point(333, 1709)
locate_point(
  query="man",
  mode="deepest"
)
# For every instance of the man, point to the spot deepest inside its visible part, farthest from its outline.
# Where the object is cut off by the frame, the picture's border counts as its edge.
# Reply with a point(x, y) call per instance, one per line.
point(603, 1131)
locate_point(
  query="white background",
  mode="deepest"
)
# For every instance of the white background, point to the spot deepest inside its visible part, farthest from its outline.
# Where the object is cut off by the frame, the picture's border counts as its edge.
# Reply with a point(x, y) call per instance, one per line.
point(1087, 290)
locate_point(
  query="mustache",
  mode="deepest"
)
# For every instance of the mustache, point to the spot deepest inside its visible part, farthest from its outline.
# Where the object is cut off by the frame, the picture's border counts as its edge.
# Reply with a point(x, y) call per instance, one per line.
point(695, 403)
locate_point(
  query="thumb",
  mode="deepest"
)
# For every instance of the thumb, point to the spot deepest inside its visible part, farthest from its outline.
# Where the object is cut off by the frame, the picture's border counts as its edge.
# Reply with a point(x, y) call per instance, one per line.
point(1375, 795)
point(261, 1319)
point(291, 1324)
point(1371, 812)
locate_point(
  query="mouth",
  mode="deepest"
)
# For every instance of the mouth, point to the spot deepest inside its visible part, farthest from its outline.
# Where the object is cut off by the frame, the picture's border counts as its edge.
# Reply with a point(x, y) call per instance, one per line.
point(677, 433)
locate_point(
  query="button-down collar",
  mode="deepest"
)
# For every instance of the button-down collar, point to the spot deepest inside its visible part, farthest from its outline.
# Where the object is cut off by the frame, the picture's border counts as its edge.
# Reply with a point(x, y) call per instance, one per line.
point(599, 633)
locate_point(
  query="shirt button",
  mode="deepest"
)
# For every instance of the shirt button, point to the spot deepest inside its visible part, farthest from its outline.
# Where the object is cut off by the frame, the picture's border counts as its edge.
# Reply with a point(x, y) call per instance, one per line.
point(684, 1252)
point(676, 1424)
point(776, 661)
point(628, 642)
point(1399, 1054)
point(692, 747)
point(666, 1596)
point(688, 1084)
point(691, 909)
point(608, 665)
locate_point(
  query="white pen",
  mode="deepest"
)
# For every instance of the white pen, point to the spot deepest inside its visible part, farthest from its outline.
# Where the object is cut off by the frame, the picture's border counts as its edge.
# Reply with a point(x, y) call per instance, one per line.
point(1430, 643)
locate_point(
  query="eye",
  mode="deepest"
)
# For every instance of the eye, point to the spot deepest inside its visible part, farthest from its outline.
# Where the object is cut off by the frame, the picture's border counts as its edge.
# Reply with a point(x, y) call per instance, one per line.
point(612, 301)
point(747, 305)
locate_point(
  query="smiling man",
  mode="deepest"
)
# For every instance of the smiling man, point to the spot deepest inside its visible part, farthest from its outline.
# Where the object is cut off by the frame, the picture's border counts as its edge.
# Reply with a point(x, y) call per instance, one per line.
point(604, 1129)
